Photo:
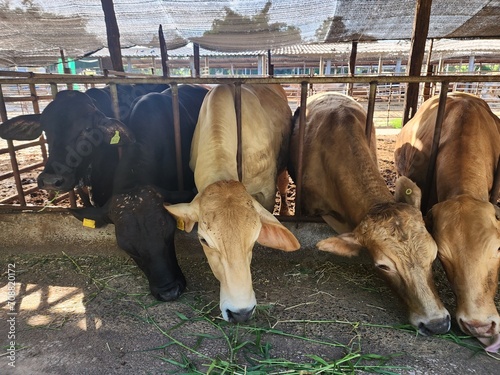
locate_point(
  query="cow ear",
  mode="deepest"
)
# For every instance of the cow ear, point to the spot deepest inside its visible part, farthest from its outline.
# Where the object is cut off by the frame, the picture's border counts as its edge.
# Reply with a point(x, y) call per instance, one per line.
point(273, 234)
point(407, 192)
point(186, 214)
point(21, 128)
point(115, 133)
point(346, 245)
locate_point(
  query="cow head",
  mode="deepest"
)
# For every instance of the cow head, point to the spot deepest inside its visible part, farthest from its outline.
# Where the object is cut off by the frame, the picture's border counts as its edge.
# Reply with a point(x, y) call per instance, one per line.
point(74, 129)
point(146, 232)
point(403, 251)
point(467, 232)
point(230, 221)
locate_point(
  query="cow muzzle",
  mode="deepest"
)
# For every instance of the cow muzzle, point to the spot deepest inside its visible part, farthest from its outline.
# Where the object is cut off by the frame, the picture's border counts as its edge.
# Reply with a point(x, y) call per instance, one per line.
point(239, 316)
point(171, 293)
point(238, 310)
point(55, 182)
point(435, 326)
point(477, 328)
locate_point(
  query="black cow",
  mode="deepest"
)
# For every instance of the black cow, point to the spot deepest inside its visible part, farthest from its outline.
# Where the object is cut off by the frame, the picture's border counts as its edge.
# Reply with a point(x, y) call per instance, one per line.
point(145, 177)
point(81, 132)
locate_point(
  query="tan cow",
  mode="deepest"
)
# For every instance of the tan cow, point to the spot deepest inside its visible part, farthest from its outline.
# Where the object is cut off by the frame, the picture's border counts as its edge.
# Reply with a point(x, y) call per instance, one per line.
point(464, 224)
point(233, 215)
point(342, 182)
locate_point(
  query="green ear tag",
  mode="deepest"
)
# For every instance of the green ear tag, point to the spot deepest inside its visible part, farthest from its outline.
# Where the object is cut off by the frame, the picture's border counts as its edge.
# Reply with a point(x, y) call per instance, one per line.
point(116, 138)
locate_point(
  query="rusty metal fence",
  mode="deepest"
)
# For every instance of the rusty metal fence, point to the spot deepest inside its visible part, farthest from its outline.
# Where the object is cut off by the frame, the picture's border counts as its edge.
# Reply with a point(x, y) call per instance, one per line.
point(22, 93)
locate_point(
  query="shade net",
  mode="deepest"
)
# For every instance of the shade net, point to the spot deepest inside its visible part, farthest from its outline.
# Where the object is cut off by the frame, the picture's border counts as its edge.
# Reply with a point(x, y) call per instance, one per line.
point(34, 31)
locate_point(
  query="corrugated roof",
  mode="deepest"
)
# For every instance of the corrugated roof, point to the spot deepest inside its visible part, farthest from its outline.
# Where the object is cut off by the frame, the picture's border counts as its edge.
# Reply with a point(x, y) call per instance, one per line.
point(444, 48)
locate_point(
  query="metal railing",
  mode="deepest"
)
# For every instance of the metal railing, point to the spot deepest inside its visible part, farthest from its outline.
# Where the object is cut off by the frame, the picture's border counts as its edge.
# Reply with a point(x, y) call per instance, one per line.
point(376, 89)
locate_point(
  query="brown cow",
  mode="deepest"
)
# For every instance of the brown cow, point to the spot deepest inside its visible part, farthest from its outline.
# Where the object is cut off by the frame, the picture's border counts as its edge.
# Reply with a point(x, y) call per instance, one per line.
point(233, 215)
point(464, 224)
point(342, 182)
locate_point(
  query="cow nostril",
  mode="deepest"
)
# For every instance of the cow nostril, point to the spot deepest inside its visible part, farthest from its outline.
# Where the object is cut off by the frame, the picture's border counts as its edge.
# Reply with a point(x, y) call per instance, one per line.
point(240, 316)
point(59, 182)
point(435, 327)
point(478, 328)
point(169, 294)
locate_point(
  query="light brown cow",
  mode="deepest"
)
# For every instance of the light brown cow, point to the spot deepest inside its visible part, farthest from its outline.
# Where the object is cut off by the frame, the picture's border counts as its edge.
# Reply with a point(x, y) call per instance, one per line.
point(464, 224)
point(342, 182)
point(233, 215)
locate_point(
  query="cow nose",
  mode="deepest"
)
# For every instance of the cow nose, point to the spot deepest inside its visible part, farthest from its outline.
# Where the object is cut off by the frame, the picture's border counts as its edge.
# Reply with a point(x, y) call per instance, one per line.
point(169, 294)
point(240, 316)
point(435, 327)
point(50, 182)
point(478, 328)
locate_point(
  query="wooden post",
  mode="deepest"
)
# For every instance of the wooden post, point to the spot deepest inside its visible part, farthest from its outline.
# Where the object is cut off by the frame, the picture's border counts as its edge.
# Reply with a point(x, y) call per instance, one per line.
point(163, 52)
point(427, 85)
point(113, 34)
point(196, 54)
point(66, 69)
point(352, 65)
point(420, 31)
point(270, 66)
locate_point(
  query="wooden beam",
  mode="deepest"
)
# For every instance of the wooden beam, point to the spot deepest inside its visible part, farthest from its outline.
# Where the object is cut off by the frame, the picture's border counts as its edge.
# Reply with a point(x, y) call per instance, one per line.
point(427, 85)
point(420, 32)
point(352, 64)
point(163, 52)
point(113, 34)
point(196, 54)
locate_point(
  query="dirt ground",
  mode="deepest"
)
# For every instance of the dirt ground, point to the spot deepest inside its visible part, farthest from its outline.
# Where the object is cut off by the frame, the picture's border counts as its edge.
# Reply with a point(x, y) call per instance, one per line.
point(92, 315)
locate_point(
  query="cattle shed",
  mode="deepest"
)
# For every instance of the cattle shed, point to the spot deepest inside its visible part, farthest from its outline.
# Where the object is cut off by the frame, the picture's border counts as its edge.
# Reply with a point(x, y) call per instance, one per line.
point(83, 306)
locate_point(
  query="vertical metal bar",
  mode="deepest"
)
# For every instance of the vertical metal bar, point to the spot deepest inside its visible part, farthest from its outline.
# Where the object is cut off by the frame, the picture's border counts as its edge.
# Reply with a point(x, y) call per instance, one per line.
point(12, 154)
point(71, 193)
point(496, 184)
point(36, 109)
point(300, 152)
point(53, 90)
point(239, 151)
point(15, 170)
point(114, 99)
point(426, 195)
point(371, 111)
point(177, 135)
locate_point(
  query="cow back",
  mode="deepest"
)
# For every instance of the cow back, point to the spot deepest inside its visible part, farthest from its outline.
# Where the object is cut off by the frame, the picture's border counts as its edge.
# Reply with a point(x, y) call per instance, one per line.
point(468, 149)
point(340, 171)
point(266, 119)
point(152, 159)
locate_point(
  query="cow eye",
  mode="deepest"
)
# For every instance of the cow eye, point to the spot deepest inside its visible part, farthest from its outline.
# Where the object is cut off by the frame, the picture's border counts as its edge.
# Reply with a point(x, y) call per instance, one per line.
point(203, 241)
point(383, 267)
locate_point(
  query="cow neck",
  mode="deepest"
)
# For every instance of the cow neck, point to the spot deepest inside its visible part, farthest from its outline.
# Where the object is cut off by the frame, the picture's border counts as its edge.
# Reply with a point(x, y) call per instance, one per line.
point(371, 192)
point(473, 167)
point(216, 157)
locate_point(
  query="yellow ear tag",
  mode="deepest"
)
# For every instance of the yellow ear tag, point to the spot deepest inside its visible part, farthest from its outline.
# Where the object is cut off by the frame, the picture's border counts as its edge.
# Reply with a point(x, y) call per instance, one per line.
point(115, 139)
point(180, 224)
point(89, 223)
point(408, 191)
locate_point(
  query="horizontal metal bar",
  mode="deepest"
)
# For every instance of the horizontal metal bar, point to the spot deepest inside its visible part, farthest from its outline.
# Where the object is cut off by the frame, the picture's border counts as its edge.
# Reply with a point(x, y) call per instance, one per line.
point(23, 146)
point(16, 196)
point(82, 79)
point(14, 99)
point(22, 170)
